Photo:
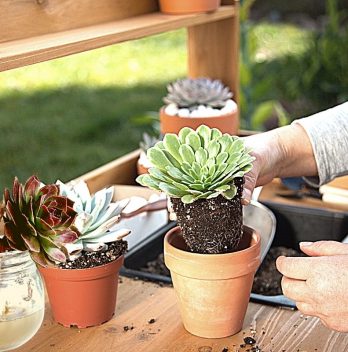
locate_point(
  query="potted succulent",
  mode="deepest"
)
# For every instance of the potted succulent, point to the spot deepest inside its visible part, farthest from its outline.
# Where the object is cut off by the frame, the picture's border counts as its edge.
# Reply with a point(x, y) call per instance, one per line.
point(211, 256)
point(192, 102)
point(177, 7)
point(67, 233)
point(143, 163)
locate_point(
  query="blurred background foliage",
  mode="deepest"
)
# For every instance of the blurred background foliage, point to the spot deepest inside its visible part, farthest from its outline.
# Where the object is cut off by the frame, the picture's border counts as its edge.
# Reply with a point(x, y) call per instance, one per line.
point(62, 118)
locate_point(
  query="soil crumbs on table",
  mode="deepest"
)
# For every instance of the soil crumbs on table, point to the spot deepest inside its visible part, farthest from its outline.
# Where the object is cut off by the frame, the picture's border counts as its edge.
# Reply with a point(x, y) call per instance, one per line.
point(93, 259)
point(267, 280)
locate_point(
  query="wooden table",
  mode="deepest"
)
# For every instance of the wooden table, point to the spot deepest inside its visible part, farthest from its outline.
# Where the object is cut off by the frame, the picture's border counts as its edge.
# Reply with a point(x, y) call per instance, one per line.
point(275, 329)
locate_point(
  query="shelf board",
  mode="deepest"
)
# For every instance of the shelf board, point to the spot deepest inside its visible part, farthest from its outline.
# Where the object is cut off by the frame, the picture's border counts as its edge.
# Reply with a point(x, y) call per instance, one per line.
point(29, 51)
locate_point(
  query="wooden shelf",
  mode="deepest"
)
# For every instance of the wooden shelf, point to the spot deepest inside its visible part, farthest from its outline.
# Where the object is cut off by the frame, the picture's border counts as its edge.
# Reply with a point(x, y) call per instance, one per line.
point(18, 53)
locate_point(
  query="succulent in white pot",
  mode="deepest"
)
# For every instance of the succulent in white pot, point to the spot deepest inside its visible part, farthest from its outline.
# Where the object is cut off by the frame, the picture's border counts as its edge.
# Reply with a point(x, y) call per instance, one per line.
point(191, 102)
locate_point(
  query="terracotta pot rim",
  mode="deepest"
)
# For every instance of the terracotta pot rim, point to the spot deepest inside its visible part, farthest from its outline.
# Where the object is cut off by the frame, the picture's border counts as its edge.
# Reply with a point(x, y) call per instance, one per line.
point(199, 117)
point(80, 270)
point(255, 236)
point(83, 274)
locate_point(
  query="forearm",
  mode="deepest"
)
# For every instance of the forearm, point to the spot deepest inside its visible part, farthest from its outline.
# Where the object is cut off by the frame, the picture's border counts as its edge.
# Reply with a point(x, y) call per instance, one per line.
point(296, 157)
point(328, 134)
point(282, 152)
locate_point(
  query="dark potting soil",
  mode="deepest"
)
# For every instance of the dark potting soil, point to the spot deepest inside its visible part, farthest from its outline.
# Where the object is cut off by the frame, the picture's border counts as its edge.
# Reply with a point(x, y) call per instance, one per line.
point(93, 259)
point(211, 225)
point(157, 266)
point(267, 280)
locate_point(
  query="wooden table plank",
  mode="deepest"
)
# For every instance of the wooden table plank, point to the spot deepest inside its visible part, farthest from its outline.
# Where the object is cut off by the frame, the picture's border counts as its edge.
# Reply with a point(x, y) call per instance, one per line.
point(275, 329)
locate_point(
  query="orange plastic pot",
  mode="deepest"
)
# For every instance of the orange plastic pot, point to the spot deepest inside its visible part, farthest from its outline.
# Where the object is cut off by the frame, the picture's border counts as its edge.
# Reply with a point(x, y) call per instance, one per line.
point(177, 7)
point(228, 123)
point(82, 297)
point(212, 290)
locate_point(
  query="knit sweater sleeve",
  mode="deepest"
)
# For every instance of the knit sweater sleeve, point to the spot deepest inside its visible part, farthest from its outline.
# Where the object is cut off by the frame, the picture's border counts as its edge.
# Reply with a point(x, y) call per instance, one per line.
point(328, 134)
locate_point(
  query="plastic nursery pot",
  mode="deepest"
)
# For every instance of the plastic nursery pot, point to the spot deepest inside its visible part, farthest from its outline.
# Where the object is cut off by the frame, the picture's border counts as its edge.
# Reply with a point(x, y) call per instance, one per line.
point(228, 123)
point(177, 7)
point(82, 297)
point(213, 290)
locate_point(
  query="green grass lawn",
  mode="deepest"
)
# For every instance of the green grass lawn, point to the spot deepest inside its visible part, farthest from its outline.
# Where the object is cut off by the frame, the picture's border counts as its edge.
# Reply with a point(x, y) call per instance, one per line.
point(62, 118)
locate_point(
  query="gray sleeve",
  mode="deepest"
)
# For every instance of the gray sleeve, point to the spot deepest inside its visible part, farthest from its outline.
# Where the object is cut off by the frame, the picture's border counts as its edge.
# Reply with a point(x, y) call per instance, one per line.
point(328, 134)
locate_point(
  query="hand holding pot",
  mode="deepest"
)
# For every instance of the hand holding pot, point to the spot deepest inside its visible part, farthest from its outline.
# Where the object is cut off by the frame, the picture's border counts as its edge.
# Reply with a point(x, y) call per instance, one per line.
point(319, 283)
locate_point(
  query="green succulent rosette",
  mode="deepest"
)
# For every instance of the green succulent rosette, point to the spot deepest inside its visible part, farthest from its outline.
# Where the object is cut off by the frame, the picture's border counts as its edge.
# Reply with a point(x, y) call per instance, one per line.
point(197, 164)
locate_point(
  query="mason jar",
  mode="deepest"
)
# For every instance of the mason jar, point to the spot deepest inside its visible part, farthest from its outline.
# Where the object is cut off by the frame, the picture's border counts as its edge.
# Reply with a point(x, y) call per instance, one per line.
point(22, 299)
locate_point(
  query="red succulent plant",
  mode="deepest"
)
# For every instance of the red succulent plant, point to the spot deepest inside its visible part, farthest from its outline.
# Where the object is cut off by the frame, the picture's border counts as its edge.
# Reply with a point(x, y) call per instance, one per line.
point(38, 219)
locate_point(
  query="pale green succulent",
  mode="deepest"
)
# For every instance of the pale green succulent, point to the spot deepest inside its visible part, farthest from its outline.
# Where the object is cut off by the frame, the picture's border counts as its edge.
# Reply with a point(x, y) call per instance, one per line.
point(96, 215)
point(197, 164)
point(192, 92)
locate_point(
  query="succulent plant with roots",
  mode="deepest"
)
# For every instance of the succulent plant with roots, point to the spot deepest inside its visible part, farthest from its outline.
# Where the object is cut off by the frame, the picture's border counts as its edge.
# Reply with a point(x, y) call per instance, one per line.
point(197, 164)
point(202, 169)
point(38, 219)
point(192, 92)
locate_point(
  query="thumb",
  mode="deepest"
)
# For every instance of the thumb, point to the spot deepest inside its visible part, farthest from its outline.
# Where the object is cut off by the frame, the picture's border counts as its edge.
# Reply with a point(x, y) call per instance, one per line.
point(321, 248)
point(249, 184)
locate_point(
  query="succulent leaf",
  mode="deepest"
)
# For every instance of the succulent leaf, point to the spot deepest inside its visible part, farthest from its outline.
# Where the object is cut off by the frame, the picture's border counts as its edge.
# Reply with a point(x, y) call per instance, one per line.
point(158, 158)
point(187, 153)
point(172, 143)
point(183, 133)
point(210, 163)
point(193, 140)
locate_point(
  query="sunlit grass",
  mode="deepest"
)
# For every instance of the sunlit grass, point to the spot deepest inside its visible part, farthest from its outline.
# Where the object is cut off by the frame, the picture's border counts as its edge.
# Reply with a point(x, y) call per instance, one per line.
point(62, 118)
point(277, 40)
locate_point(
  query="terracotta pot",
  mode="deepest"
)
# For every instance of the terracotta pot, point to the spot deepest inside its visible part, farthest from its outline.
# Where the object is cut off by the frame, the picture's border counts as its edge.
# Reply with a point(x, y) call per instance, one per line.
point(177, 7)
point(228, 123)
point(141, 169)
point(82, 297)
point(212, 289)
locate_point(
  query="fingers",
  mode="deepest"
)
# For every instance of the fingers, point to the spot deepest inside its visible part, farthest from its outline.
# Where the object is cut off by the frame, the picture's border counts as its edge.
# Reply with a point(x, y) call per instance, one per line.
point(297, 290)
point(294, 267)
point(249, 184)
point(306, 308)
point(321, 248)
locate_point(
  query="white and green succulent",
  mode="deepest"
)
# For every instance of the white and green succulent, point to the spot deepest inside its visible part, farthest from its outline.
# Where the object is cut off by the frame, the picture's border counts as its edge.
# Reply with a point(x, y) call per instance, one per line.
point(197, 164)
point(192, 92)
point(96, 215)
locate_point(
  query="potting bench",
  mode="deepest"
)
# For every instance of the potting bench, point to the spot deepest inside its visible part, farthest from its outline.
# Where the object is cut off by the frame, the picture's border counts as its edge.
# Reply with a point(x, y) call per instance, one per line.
point(39, 30)
point(147, 319)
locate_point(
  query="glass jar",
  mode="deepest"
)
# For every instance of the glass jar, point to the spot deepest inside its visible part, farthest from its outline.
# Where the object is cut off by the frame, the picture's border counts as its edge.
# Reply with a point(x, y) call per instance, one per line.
point(22, 299)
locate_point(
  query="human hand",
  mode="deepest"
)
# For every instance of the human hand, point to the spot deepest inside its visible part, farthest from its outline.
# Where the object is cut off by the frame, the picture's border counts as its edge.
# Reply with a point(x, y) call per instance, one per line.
point(319, 283)
point(267, 152)
point(282, 152)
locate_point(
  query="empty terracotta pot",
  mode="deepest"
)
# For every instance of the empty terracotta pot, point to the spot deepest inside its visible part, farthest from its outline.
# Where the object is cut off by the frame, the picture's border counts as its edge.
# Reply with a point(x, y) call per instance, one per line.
point(82, 297)
point(177, 7)
point(228, 123)
point(213, 290)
